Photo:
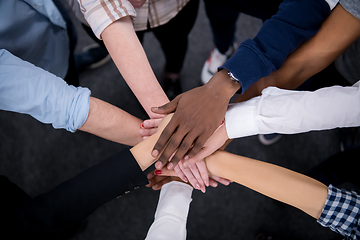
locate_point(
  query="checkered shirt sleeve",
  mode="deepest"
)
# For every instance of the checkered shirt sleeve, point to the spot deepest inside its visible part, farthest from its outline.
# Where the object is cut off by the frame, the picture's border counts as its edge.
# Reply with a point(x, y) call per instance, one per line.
point(101, 13)
point(341, 212)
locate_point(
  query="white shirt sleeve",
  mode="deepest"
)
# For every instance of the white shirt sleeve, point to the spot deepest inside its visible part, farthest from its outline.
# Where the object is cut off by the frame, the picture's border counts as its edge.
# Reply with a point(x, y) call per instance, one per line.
point(171, 213)
point(289, 112)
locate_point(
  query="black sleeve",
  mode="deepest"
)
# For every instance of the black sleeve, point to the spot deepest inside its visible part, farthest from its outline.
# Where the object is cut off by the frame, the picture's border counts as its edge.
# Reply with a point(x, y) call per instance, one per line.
point(66, 205)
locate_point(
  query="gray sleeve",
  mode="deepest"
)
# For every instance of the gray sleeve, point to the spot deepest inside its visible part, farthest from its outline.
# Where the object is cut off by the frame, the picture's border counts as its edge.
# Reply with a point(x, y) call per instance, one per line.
point(352, 6)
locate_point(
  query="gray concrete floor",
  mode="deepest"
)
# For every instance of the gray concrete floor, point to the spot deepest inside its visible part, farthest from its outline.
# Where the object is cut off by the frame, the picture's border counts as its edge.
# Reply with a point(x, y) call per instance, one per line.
point(37, 157)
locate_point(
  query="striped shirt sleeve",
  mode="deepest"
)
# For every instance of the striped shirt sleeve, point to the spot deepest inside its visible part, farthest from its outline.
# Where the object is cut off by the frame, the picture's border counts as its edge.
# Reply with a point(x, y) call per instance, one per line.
point(101, 13)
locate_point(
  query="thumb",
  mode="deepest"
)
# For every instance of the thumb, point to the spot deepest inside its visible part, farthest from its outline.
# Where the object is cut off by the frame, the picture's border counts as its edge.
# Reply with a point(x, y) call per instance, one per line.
point(166, 108)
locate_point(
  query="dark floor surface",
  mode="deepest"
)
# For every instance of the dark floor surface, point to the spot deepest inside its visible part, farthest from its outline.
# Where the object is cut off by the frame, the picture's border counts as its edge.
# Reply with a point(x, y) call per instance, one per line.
point(37, 157)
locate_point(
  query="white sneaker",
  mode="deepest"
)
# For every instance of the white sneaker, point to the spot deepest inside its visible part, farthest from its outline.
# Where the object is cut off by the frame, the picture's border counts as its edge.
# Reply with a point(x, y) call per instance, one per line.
point(215, 60)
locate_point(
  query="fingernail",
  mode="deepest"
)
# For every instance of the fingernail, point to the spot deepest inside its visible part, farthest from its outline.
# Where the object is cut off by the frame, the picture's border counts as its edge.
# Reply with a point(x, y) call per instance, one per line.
point(214, 185)
point(186, 164)
point(207, 183)
point(155, 186)
point(197, 186)
point(203, 190)
point(158, 165)
point(155, 152)
point(186, 157)
point(170, 166)
point(157, 172)
point(185, 179)
point(142, 125)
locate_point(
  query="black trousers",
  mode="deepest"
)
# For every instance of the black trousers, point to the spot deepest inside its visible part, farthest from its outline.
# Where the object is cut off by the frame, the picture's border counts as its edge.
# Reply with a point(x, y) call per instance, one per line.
point(173, 36)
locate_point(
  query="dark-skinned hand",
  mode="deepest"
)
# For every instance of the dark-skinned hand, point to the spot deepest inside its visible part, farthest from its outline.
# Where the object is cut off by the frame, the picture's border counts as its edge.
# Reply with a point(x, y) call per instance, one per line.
point(197, 114)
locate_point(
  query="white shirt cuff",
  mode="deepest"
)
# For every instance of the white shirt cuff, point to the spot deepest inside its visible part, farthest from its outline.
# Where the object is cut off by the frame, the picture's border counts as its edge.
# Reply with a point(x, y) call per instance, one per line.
point(240, 119)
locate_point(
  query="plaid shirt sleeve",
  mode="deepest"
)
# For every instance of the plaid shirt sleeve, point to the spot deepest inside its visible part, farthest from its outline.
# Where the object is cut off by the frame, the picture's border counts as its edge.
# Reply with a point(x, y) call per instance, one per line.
point(341, 212)
point(101, 13)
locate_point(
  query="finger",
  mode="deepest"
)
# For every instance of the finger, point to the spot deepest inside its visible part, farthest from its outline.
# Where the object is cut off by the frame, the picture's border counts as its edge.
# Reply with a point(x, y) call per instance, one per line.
point(213, 183)
point(180, 174)
point(203, 172)
point(161, 183)
point(165, 172)
point(151, 123)
point(150, 175)
point(184, 147)
point(155, 180)
point(198, 145)
point(171, 148)
point(196, 173)
point(221, 180)
point(189, 176)
point(164, 138)
point(167, 108)
point(144, 132)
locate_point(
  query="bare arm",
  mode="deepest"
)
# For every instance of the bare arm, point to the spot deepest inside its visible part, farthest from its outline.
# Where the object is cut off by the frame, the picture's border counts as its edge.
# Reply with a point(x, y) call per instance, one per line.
point(112, 123)
point(129, 56)
point(276, 182)
point(279, 183)
point(336, 34)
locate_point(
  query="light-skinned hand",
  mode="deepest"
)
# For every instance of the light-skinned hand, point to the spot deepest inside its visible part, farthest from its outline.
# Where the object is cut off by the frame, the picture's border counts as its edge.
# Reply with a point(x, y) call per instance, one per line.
point(158, 178)
point(149, 127)
point(215, 142)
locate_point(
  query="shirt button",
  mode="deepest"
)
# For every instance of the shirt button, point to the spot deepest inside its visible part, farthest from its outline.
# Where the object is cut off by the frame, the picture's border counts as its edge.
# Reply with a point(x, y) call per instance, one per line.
point(136, 187)
point(126, 192)
point(119, 196)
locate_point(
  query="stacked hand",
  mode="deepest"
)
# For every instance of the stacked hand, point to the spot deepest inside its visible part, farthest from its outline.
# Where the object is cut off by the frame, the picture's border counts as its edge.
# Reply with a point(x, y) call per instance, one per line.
point(158, 178)
point(197, 114)
point(194, 169)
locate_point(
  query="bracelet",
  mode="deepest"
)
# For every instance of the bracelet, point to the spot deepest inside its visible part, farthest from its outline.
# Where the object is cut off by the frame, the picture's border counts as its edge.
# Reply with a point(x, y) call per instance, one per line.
point(232, 77)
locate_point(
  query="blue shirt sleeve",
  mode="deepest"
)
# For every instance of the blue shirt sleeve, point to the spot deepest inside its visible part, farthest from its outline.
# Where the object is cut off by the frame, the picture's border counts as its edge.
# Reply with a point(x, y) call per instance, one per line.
point(295, 22)
point(341, 212)
point(25, 88)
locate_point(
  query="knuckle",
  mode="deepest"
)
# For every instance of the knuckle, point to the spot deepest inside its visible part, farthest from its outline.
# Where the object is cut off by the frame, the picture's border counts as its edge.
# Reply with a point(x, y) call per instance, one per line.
point(184, 146)
point(173, 144)
point(175, 160)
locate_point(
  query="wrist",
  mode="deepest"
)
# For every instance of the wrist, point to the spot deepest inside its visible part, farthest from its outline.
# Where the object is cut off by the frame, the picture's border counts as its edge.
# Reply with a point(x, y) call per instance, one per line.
point(223, 83)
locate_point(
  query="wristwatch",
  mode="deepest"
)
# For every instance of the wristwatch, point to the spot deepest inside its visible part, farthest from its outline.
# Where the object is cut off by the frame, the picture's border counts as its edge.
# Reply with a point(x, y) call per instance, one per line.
point(233, 78)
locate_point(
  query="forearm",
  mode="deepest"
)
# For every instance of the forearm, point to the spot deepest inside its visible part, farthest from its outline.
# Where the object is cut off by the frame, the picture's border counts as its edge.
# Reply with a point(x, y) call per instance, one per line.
point(336, 34)
point(289, 112)
point(112, 123)
point(278, 37)
point(127, 53)
point(53, 212)
point(25, 88)
point(171, 212)
point(273, 181)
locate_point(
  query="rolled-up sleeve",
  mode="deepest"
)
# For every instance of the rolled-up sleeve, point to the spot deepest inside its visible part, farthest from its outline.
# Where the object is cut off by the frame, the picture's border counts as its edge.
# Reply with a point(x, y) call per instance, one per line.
point(341, 212)
point(101, 13)
point(25, 88)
